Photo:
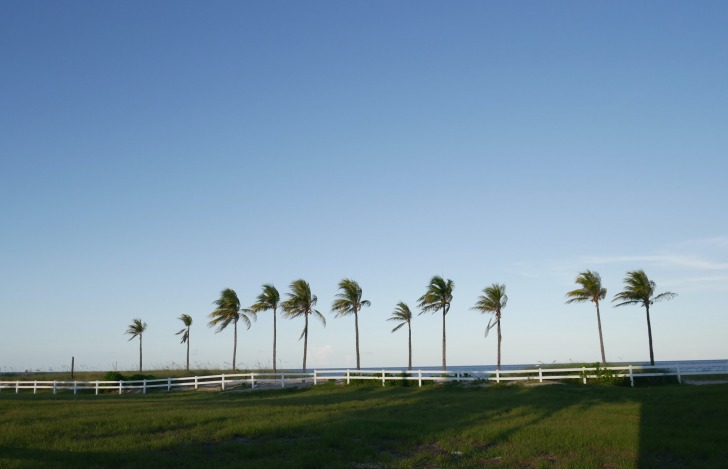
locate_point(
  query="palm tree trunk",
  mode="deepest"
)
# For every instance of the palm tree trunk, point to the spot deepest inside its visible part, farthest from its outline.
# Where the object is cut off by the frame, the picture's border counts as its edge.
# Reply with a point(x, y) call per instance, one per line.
point(305, 341)
point(409, 330)
point(356, 326)
point(188, 349)
point(444, 347)
point(235, 344)
point(140, 353)
point(499, 342)
point(274, 340)
point(649, 336)
point(601, 338)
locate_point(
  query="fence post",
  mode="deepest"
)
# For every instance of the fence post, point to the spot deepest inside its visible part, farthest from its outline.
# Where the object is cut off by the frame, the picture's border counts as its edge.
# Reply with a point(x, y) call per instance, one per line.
point(223, 381)
point(144, 386)
point(35, 387)
point(54, 386)
point(169, 384)
point(283, 380)
point(420, 377)
point(252, 380)
point(540, 375)
point(631, 376)
point(497, 376)
point(679, 377)
point(17, 387)
point(120, 386)
point(348, 377)
point(457, 376)
point(382, 377)
point(583, 373)
point(314, 378)
point(75, 387)
point(195, 383)
point(97, 387)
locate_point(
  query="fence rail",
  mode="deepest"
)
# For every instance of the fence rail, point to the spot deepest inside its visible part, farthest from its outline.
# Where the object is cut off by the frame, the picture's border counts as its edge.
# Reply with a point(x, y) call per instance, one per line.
point(253, 380)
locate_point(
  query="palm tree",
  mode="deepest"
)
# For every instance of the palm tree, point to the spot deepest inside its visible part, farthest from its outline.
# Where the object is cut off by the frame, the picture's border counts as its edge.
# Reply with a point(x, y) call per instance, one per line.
point(591, 290)
point(403, 315)
point(640, 290)
point(301, 302)
point(269, 299)
point(493, 300)
point(438, 296)
point(137, 328)
point(348, 301)
point(228, 311)
point(185, 332)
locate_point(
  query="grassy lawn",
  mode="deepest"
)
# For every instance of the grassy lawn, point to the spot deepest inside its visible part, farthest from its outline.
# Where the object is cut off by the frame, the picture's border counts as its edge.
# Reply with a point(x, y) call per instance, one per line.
point(372, 426)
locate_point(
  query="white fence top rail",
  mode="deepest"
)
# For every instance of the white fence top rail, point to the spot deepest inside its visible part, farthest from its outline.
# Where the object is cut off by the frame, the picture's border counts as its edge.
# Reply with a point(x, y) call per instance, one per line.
point(347, 375)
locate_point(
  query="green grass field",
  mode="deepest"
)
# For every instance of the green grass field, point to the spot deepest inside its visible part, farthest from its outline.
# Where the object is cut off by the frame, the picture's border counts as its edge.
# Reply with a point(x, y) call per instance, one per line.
point(372, 426)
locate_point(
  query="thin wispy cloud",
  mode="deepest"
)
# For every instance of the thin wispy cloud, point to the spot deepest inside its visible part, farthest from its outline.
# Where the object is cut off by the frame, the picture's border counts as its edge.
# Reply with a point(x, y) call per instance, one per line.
point(665, 260)
point(720, 242)
point(713, 282)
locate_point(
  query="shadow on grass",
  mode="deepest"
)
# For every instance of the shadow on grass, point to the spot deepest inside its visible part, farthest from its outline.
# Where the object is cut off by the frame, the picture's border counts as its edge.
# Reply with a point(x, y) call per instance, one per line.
point(336, 426)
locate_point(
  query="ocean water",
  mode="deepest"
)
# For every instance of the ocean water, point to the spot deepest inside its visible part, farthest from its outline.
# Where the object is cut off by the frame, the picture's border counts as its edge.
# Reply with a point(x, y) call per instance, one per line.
point(686, 366)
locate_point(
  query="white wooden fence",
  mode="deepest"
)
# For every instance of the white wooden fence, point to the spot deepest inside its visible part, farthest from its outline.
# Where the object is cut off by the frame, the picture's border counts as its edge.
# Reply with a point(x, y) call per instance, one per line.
point(253, 380)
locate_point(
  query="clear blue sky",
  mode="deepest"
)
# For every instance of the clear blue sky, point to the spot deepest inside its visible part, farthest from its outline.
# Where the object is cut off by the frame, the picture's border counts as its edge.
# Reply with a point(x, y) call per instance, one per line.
point(155, 153)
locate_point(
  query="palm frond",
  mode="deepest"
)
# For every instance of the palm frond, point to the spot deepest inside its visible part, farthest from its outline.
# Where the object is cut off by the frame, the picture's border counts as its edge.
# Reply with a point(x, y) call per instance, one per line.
point(185, 334)
point(136, 328)
point(300, 300)
point(490, 326)
point(639, 289)
point(493, 299)
point(591, 288)
point(228, 310)
point(665, 296)
point(437, 297)
point(348, 300)
point(186, 319)
point(320, 316)
point(268, 300)
point(401, 314)
point(246, 320)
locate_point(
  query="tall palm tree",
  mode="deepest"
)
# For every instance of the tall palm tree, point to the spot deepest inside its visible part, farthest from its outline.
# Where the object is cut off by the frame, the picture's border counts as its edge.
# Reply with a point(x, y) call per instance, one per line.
point(268, 300)
point(348, 301)
point(438, 296)
point(403, 315)
point(136, 329)
point(185, 332)
point(640, 290)
point(591, 290)
point(493, 300)
point(301, 302)
point(228, 311)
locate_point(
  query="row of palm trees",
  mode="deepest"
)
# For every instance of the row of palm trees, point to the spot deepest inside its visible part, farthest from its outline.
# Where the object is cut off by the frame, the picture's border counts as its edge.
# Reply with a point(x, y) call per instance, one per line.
point(639, 290)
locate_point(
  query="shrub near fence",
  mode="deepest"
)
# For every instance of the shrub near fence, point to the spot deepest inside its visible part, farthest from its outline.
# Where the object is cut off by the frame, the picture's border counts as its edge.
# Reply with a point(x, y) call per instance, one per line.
point(594, 373)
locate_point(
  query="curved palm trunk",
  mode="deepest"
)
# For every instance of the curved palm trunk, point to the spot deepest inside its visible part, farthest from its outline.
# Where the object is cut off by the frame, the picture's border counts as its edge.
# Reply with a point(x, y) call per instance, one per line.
point(140, 353)
point(235, 344)
point(409, 330)
point(649, 335)
point(305, 341)
point(274, 340)
point(188, 349)
point(601, 338)
point(444, 347)
point(356, 326)
point(499, 341)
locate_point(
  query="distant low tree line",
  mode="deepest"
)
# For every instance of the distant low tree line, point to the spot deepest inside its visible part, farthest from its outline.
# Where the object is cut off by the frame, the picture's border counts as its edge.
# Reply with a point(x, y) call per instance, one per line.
point(300, 302)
